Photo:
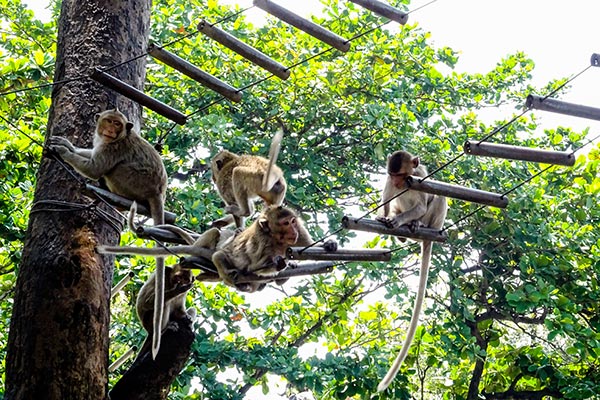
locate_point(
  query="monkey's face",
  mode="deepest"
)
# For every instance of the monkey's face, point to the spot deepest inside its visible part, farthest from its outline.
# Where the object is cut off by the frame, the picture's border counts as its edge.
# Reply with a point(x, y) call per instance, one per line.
point(112, 125)
point(401, 165)
point(288, 227)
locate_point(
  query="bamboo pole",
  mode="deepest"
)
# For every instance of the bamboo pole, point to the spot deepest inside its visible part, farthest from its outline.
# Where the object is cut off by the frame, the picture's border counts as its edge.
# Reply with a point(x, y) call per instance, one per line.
point(457, 192)
point(138, 96)
point(246, 51)
point(319, 253)
point(562, 107)
point(372, 225)
point(195, 73)
point(121, 284)
point(519, 153)
point(123, 203)
point(305, 25)
point(384, 10)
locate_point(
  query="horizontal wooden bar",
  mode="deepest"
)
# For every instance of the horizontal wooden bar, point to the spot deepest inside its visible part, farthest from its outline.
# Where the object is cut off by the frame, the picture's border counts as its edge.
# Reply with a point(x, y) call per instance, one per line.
point(121, 284)
point(383, 9)
point(244, 50)
point(562, 107)
point(372, 225)
point(204, 264)
point(138, 96)
point(595, 60)
point(293, 270)
point(457, 192)
point(519, 153)
point(319, 253)
point(123, 203)
point(195, 73)
point(305, 25)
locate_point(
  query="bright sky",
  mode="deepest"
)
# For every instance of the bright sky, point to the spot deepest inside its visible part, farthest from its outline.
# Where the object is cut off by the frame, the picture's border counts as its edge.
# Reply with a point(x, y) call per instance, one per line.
point(559, 36)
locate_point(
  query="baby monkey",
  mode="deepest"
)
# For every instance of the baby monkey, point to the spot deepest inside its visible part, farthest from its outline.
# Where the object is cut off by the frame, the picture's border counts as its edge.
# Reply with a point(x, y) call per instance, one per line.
point(131, 168)
point(242, 179)
point(415, 209)
point(261, 248)
point(178, 281)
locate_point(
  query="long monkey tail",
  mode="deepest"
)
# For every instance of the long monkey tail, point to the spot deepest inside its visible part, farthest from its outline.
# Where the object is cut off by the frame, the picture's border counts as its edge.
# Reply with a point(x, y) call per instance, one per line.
point(414, 320)
point(157, 209)
point(268, 178)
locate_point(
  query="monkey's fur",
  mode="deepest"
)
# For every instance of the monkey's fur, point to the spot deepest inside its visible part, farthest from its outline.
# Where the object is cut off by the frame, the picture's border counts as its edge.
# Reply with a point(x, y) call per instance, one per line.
point(178, 282)
point(242, 179)
point(131, 168)
point(261, 248)
point(415, 209)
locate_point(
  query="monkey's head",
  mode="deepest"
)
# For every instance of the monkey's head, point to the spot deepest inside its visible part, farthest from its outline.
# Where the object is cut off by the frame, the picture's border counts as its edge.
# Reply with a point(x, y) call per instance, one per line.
point(400, 165)
point(281, 224)
point(112, 125)
point(218, 162)
point(179, 276)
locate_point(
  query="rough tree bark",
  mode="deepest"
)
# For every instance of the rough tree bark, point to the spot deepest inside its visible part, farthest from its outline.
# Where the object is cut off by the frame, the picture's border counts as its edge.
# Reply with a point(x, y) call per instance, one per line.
point(58, 340)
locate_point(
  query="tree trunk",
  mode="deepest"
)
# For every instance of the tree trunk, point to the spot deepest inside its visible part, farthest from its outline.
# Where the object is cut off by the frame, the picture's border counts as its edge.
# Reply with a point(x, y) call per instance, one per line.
point(58, 340)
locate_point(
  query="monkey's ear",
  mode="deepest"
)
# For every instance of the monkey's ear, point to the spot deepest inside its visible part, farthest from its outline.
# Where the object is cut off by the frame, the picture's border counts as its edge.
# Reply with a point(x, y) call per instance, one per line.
point(96, 116)
point(263, 223)
point(415, 162)
point(219, 164)
point(128, 126)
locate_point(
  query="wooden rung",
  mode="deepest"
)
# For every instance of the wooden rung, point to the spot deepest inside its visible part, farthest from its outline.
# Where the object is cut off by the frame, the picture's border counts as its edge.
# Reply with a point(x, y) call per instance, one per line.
point(319, 253)
point(121, 284)
point(519, 153)
point(562, 107)
point(119, 361)
point(202, 77)
point(123, 203)
point(457, 192)
point(204, 264)
point(595, 60)
point(138, 96)
point(248, 52)
point(384, 10)
point(305, 25)
point(372, 225)
point(293, 270)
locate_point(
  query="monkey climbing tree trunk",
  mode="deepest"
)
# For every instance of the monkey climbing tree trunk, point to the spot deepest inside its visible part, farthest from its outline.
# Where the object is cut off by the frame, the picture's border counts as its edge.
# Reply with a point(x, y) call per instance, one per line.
point(58, 340)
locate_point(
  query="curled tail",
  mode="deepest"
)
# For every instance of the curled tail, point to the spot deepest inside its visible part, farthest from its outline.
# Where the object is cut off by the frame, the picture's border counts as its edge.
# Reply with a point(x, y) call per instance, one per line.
point(414, 320)
point(269, 177)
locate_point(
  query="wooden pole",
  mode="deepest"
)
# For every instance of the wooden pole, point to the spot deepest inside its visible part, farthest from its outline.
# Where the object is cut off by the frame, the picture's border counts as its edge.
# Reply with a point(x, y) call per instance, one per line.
point(319, 253)
point(293, 270)
point(241, 48)
point(138, 96)
point(125, 204)
point(457, 192)
point(372, 225)
point(562, 107)
point(202, 77)
point(305, 25)
point(121, 360)
point(519, 153)
point(384, 10)
point(595, 60)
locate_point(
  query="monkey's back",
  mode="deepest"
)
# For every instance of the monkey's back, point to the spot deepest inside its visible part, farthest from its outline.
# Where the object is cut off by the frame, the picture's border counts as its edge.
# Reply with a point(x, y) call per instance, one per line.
point(139, 172)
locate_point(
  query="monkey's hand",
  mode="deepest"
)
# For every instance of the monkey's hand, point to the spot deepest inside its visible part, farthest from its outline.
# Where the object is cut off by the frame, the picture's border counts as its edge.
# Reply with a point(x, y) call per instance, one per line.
point(330, 246)
point(388, 222)
point(280, 263)
point(61, 145)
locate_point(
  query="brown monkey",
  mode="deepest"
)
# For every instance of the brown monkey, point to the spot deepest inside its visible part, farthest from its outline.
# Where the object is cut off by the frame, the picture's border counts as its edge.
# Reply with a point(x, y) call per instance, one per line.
point(416, 209)
point(178, 282)
point(131, 168)
point(241, 179)
point(261, 248)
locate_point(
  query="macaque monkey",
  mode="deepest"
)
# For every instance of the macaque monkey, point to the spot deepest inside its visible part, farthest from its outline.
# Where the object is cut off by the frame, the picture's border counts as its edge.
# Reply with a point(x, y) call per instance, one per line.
point(178, 281)
point(415, 209)
point(241, 179)
point(131, 168)
point(261, 248)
